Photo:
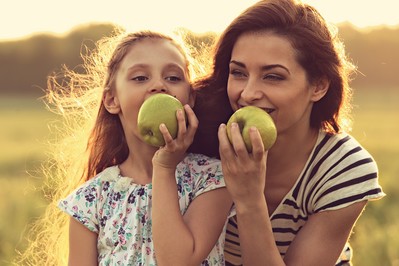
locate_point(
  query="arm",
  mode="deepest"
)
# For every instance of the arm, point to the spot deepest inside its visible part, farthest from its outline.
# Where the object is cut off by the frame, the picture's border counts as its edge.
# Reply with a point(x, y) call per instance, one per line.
point(320, 241)
point(244, 175)
point(331, 228)
point(184, 240)
point(82, 245)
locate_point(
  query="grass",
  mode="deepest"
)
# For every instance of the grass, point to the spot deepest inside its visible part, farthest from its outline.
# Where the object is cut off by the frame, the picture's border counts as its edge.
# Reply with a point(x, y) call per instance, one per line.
point(25, 132)
point(23, 138)
point(375, 239)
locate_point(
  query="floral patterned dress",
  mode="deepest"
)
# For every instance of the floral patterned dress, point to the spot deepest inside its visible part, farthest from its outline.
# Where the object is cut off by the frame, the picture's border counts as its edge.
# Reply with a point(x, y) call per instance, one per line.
point(119, 210)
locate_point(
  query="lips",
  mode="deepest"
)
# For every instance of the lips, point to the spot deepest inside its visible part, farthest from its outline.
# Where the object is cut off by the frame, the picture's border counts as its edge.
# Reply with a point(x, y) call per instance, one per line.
point(267, 110)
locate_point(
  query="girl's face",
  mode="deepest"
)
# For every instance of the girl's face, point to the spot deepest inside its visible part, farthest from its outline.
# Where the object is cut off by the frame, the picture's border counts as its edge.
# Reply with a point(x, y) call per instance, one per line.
point(151, 66)
point(264, 72)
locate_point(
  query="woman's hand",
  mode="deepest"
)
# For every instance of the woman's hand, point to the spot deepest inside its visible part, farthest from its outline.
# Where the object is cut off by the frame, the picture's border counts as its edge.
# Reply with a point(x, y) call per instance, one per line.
point(174, 150)
point(244, 172)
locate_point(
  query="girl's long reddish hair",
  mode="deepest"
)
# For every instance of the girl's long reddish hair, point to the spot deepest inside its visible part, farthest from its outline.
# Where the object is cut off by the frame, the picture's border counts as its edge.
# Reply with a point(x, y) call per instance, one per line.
point(89, 140)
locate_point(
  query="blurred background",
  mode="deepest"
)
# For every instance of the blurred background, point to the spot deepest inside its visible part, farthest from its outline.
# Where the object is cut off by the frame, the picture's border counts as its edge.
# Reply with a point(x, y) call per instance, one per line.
point(37, 38)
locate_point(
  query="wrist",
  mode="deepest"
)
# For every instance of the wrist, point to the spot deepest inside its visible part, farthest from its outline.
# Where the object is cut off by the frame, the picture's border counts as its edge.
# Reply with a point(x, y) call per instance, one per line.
point(162, 170)
point(251, 205)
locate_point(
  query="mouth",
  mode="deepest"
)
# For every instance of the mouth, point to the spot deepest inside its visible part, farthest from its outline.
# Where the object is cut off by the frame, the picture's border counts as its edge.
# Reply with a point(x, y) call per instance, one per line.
point(267, 110)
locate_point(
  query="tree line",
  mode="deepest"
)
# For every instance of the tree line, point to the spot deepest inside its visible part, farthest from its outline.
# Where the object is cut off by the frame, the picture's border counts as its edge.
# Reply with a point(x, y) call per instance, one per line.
point(25, 64)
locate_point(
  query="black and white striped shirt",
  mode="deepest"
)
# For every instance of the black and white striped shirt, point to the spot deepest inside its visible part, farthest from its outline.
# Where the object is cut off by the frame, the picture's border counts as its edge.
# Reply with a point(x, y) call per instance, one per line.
point(339, 172)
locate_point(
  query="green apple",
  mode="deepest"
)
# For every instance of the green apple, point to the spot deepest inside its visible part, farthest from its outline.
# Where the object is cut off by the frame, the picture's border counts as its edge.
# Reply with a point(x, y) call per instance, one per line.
point(249, 116)
point(157, 109)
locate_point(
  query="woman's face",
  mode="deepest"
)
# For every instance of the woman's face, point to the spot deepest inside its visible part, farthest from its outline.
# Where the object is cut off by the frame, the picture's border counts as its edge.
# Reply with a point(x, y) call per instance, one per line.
point(151, 66)
point(264, 72)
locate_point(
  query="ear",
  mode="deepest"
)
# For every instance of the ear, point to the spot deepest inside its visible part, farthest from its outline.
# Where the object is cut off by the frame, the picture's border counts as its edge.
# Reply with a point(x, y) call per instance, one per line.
point(111, 101)
point(191, 99)
point(319, 89)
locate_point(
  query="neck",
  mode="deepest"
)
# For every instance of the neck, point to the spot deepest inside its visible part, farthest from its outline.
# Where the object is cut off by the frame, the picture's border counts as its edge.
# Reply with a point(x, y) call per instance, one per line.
point(291, 147)
point(138, 165)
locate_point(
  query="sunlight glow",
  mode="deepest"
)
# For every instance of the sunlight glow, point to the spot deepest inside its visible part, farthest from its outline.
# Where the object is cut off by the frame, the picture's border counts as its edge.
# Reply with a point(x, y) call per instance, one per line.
point(24, 17)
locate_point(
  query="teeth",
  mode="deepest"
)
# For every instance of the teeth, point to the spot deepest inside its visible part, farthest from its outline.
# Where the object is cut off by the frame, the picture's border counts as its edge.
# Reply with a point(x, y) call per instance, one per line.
point(268, 110)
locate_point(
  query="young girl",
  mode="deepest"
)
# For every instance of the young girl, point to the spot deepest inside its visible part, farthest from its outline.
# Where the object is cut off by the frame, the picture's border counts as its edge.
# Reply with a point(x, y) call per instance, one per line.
point(297, 203)
point(140, 205)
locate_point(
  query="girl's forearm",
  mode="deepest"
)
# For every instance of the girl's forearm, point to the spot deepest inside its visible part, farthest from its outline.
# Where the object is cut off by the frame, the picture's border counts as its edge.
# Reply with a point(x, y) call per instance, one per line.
point(173, 241)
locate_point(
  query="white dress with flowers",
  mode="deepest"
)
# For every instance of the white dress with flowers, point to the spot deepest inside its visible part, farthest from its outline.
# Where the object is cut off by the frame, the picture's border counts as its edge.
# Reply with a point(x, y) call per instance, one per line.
point(119, 210)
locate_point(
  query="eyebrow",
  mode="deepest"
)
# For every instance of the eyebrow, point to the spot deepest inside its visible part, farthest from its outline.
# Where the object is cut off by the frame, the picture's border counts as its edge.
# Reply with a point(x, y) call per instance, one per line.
point(148, 65)
point(265, 67)
point(134, 66)
point(144, 65)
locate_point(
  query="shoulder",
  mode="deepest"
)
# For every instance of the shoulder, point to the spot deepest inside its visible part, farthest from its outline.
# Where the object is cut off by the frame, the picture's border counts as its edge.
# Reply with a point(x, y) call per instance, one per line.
point(103, 182)
point(342, 147)
point(84, 202)
point(199, 163)
point(200, 159)
point(340, 172)
point(201, 170)
point(108, 176)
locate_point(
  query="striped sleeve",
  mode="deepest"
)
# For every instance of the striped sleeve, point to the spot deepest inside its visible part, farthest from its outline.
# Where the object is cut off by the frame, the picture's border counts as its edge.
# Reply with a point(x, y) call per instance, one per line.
point(232, 250)
point(347, 174)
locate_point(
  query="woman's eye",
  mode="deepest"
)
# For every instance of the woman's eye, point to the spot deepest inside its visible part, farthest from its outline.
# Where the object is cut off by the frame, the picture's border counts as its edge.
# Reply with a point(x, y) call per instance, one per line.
point(237, 73)
point(173, 78)
point(140, 78)
point(273, 77)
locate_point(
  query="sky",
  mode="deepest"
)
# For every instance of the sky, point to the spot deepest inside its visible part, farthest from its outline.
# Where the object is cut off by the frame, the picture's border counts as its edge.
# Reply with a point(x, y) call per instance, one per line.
point(22, 18)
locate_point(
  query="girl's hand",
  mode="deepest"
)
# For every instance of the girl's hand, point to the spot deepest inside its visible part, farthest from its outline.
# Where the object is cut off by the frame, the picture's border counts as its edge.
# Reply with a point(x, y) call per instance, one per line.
point(174, 150)
point(244, 172)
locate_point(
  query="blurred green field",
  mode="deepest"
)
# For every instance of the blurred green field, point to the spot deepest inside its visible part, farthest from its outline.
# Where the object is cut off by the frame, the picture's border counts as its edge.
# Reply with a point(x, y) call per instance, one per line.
point(376, 117)
point(24, 133)
point(23, 136)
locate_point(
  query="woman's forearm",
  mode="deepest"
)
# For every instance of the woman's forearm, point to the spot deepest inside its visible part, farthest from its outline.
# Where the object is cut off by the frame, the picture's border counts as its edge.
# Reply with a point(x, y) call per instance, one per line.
point(257, 242)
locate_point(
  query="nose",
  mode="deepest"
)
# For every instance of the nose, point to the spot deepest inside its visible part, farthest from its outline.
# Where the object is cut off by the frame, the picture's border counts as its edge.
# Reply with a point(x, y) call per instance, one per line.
point(158, 86)
point(251, 92)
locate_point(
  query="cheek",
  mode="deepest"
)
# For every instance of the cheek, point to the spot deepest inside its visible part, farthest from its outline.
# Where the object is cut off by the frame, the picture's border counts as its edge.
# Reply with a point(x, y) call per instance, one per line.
point(232, 99)
point(233, 92)
point(130, 109)
point(185, 95)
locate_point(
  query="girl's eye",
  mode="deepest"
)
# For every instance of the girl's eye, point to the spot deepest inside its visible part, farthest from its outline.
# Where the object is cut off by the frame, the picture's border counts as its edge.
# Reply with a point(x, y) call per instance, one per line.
point(236, 73)
point(140, 78)
point(173, 78)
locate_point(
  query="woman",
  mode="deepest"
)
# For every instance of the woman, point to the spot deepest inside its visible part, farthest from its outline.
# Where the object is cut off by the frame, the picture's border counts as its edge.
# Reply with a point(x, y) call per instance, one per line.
point(297, 202)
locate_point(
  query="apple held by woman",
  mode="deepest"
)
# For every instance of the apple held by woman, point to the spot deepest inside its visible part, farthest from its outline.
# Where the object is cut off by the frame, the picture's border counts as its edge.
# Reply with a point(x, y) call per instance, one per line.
point(157, 109)
point(249, 116)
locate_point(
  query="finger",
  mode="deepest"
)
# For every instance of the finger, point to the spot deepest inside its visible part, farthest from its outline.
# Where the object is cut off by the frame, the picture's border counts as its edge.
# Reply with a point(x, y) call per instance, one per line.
point(165, 133)
point(191, 118)
point(258, 149)
point(181, 121)
point(237, 141)
point(225, 147)
point(192, 122)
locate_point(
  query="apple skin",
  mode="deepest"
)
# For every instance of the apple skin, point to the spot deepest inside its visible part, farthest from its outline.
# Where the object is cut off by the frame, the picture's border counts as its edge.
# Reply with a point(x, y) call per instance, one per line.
point(155, 110)
point(249, 116)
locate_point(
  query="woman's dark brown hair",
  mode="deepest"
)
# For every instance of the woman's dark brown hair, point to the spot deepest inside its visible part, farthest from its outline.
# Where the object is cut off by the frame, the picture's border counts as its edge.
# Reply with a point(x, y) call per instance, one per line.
point(318, 51)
